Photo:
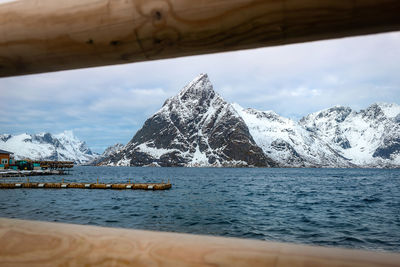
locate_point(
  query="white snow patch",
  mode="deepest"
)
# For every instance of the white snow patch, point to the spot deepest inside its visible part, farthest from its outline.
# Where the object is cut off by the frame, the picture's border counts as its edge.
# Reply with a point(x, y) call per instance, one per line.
point(154, 152)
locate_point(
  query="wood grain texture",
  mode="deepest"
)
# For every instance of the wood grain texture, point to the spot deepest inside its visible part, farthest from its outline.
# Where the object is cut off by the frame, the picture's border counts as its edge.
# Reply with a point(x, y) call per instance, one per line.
point(46, 35)
point(30, 243)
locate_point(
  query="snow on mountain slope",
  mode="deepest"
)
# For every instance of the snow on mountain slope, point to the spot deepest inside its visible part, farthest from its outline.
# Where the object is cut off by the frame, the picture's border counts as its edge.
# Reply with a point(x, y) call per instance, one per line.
point(194, 128)
point(45, 146)
point(197, 127)
point(287, 142)
point(369, 138)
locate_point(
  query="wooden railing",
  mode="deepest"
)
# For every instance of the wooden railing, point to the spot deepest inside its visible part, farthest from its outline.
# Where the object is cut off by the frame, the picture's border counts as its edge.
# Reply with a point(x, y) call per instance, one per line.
point(47, 35)
point(29, 243)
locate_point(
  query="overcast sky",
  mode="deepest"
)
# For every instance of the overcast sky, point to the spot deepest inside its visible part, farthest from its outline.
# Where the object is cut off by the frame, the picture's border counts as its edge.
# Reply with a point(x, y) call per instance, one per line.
point(109, 104)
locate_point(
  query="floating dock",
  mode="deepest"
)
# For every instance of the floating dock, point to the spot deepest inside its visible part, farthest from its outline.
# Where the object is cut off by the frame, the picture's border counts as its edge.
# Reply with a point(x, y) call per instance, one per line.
point(137, 186)
point(24, 173)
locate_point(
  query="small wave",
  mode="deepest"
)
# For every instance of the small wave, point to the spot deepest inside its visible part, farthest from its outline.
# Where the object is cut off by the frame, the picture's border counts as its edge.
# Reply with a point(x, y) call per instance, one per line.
point(191, 223)
point(351, 239)
point(311, 235)
point(86, 209)
point(372, 199)
point(305, 219)
point(254, 235)
point(111, 221)
point(178, 217)
point(376, 241)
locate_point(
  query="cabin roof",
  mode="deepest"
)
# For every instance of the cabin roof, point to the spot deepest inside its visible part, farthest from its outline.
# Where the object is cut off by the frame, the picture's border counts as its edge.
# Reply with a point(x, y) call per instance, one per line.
point(5, 152)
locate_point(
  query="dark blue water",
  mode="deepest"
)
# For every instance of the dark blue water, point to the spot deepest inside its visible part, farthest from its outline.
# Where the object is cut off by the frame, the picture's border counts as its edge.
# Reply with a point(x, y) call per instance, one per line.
point(355, 208)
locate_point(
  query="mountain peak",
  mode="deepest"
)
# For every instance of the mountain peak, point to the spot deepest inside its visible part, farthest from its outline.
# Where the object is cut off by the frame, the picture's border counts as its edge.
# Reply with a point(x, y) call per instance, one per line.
point(196, 127)
point(199, 88)
point(391, 110)
point(69, 134)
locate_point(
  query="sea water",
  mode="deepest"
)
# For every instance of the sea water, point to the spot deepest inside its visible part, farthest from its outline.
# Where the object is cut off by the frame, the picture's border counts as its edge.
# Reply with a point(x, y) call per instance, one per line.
point(353, 208)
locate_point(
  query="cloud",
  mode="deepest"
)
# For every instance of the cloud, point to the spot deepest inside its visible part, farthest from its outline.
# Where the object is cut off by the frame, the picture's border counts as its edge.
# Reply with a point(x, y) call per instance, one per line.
point(105, 105)
point(120, 100)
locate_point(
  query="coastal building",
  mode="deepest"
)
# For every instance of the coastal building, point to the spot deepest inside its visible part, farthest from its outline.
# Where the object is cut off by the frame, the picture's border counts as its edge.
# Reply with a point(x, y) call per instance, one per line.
point(5, 159)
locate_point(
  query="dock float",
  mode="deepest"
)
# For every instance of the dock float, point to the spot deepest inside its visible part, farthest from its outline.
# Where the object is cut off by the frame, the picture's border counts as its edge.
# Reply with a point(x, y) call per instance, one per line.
point(137, 186)
point(24, 173)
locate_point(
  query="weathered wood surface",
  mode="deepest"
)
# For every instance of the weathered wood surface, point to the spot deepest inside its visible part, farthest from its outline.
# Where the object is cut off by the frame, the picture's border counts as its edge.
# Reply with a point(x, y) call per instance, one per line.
point(46, 35)
point(29, 243)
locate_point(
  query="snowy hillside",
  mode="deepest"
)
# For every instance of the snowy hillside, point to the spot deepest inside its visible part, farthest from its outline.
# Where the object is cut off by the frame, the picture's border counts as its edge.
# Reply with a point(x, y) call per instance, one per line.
point(45, 146)
point(287, 142)
point(368, 138)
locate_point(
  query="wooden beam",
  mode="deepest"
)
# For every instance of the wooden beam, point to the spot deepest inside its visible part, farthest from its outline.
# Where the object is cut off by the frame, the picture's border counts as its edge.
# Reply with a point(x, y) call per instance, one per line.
point(30, 243)
point(46, 35)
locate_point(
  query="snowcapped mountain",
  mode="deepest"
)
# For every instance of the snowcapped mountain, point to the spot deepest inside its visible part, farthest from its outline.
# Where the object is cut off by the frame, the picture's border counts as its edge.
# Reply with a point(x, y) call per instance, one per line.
point(287, 142)
point(197, 127)
point(194, 128)
point(368, 138)
point(45, 146)
point(108, 152)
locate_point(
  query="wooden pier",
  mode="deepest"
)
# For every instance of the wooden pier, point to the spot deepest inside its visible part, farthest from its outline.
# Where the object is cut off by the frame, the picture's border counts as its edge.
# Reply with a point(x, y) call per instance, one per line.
point(54, 164)
point(128, 186)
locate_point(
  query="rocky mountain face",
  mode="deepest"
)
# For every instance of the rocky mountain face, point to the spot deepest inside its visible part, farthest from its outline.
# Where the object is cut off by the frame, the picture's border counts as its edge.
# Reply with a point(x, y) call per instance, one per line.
point(45, 146)
point(199, 128)
point(194, 128)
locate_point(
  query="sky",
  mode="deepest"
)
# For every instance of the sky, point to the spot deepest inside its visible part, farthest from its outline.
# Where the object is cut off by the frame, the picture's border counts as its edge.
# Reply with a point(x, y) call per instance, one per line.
point(106, 105)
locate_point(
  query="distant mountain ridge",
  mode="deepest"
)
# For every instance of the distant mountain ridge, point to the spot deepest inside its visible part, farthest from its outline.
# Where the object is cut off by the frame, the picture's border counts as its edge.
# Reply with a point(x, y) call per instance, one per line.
point(46, 146)
point(368, 138)
point(197, 127)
